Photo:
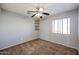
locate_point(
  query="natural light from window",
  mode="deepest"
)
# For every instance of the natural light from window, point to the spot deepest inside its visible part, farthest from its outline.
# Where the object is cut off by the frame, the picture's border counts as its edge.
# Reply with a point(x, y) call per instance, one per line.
point(61, 26)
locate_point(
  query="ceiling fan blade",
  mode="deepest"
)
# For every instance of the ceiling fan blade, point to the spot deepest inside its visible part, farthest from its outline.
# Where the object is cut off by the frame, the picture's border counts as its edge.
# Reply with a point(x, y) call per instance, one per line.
point(33, 15)
point(30, 11)
point(45, 13)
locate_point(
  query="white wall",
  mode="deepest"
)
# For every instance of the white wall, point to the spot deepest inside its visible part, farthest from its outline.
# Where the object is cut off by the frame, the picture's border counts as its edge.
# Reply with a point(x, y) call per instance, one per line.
point(68, 40)
point(15, 29)
point(0, 12)
point(78, 26)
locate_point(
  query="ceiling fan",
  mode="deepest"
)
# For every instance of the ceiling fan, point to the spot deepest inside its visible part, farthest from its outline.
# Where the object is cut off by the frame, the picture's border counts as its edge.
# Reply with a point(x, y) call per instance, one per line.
point(39, 12)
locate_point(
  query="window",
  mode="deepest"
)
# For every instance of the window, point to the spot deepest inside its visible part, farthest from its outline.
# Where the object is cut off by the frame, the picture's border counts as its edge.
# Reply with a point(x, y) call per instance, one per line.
point(61, 26)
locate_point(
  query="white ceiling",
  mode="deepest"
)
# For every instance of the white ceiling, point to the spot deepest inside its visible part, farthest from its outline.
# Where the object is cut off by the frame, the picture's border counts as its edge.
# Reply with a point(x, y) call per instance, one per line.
point(52, 8)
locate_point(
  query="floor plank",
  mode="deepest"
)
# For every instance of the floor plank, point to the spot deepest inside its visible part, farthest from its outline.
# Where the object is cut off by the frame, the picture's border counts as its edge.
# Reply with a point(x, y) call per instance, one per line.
point(39, 47)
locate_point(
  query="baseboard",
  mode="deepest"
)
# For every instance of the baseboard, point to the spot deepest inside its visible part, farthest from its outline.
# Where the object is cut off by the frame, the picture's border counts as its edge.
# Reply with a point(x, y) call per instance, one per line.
point(16, 44)
point(60, 43)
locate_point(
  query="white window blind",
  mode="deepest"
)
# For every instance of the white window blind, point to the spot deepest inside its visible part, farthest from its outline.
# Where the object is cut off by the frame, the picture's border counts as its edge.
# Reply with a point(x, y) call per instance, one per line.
point(61, 26)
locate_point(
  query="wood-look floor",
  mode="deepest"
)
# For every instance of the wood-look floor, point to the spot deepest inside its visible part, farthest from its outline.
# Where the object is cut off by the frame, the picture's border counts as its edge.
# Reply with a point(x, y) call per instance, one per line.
point(39, 47)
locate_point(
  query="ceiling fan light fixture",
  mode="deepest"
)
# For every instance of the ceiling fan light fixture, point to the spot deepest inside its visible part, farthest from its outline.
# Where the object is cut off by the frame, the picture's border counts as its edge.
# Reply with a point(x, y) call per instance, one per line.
point(39, 14)
point(41, 9)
